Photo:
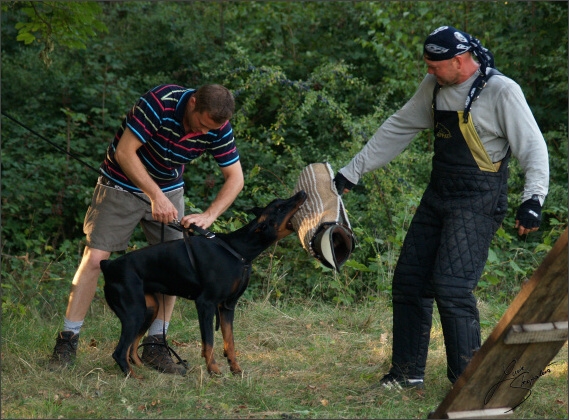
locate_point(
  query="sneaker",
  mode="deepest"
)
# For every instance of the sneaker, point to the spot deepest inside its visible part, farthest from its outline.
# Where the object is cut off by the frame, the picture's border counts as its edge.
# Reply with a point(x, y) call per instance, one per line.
point(155, 354)
point(391, 381)
point(65, 350)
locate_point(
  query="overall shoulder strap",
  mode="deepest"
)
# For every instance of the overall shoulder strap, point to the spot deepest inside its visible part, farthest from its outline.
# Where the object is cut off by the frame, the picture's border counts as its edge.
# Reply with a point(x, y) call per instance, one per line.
point(474, 93)
point(435, 92)
point(477, 86)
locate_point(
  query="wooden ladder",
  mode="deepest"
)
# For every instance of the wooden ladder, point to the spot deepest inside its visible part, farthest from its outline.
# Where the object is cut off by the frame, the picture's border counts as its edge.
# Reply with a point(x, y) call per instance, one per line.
point(520, 348)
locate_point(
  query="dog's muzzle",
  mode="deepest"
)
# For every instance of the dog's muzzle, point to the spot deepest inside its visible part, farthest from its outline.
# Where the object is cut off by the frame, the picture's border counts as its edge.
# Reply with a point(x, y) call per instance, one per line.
point(321, 222)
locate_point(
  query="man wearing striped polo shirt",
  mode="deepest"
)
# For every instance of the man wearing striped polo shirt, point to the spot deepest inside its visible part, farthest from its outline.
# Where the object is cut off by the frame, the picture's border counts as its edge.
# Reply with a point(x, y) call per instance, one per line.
point(167, 128)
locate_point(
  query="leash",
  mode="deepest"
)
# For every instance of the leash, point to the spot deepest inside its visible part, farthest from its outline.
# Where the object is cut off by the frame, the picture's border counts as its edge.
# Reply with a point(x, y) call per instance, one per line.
point(164, 343)
point(174, 225)
point(61, 149)
point(209, 235)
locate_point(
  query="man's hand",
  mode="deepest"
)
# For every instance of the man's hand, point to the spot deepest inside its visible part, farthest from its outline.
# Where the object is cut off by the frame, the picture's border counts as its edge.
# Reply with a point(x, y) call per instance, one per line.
point(202, 220)
point(342, 184)
point(528, 217)
point(163, 210)
point(231, 187)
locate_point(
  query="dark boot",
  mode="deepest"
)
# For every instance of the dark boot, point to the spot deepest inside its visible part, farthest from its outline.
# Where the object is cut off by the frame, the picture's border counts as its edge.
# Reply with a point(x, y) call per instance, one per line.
point(158, 357)
point(391, 381)
point(65, 350)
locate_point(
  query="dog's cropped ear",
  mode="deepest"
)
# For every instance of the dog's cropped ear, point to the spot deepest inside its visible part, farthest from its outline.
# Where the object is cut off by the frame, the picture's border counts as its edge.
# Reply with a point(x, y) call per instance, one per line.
point(256, 211)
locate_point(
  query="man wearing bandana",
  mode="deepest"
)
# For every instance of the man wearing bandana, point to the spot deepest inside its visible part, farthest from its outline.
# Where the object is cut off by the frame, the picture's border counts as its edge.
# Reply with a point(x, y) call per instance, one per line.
point(479, 117)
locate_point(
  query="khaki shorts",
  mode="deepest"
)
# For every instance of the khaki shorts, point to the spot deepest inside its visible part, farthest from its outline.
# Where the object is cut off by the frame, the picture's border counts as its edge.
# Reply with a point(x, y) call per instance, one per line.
point(114, 214)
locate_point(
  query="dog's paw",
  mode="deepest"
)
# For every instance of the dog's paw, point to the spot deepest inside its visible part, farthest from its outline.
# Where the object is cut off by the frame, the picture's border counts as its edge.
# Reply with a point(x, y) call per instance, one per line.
point(235, 369)
point(214, 370)
point(132, 374)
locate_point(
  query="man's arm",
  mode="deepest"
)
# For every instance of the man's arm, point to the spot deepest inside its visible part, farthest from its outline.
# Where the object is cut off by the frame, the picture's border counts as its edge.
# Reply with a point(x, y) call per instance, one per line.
point(394, 135)
point(232, 186)
point(162, 208)
point(529, 147)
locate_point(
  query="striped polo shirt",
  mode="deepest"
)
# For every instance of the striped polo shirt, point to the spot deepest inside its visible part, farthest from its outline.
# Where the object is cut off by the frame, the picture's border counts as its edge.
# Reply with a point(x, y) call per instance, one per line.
point(157, 120)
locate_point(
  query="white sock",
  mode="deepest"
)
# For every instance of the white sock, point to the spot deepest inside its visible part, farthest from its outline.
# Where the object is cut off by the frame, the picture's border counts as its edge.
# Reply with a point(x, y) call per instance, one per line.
point(158, 327)
point(74, 326)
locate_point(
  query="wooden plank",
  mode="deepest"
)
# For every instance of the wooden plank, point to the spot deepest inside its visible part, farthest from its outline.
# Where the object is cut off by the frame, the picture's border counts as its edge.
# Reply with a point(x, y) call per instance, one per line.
point(485, 414)
point(502, 375)
point(536, 333)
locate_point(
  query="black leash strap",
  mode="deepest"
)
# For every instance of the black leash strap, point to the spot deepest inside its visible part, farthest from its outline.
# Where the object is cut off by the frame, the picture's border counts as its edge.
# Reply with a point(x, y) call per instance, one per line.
point(208, 234)
point(61, 149)
point(164, 342)
point(99, 172)
point(211, 235)
point(188, 243)
point(181, 361)
point(184, 363)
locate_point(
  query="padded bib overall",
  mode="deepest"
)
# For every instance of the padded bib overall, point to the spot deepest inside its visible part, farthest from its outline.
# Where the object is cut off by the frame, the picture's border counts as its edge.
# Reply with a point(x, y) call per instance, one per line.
point(446, 247)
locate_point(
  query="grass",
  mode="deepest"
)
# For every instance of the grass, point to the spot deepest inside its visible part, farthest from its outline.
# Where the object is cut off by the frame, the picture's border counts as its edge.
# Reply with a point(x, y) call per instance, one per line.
point(300, 360)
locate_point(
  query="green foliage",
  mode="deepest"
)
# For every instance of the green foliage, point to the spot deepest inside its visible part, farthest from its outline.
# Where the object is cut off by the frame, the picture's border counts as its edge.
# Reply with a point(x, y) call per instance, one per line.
point(312, 82)
point(69, 24)
point(512, 259)
point(523, 48)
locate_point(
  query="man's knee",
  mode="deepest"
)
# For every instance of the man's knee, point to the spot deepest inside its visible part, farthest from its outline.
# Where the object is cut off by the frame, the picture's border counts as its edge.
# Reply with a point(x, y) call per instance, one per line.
point(459, 305)
point(92, 258)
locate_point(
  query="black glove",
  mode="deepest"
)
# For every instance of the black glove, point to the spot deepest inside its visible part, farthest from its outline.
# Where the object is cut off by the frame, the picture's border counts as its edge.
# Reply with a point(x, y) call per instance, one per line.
point(342, 183)
point(529, 213)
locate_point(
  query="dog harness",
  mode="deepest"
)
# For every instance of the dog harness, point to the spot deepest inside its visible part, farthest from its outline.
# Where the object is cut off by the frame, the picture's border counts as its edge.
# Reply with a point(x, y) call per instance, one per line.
point(230, 302)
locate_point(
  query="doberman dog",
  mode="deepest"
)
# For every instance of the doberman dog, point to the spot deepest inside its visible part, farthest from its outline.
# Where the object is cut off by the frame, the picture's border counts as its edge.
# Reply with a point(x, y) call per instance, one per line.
point(213, 272)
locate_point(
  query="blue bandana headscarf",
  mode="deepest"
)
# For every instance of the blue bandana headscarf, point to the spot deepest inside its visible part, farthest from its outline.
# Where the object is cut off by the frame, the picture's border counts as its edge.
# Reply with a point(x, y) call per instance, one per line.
point(447, 42)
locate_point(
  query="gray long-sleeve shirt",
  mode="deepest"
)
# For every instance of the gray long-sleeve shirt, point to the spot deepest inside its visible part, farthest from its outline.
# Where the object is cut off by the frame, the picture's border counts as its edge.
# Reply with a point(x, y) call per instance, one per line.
point(500, 115)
